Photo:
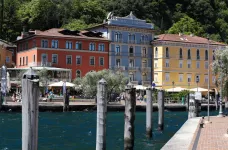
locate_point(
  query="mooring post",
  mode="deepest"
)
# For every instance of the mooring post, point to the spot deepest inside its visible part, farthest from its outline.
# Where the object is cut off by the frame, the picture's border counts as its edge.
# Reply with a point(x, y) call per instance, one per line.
point(129, 117)
point(30, 110)
point(66, 101)
point(187, 102)
point(160, 110)
point(149, 111)
point(101, 115)
point(193, 107)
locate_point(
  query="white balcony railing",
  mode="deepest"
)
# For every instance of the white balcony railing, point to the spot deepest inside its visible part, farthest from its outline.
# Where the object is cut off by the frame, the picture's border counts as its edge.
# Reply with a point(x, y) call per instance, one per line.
point(40, 64)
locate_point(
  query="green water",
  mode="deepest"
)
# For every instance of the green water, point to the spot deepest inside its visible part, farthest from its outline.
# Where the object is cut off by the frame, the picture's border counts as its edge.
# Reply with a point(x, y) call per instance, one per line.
point(77, 130)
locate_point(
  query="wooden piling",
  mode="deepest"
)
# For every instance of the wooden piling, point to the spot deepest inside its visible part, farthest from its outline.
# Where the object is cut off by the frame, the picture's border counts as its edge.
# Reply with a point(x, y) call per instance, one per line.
point(149, 111)
point(101, 115)
point(129, 117)
point(187, 102)
point(66, 101)
point(30, 110)
point(194, 107)
point(160, 110)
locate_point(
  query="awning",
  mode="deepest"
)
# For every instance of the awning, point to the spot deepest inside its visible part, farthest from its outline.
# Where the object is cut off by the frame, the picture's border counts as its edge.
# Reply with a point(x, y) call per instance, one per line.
point(176, 89)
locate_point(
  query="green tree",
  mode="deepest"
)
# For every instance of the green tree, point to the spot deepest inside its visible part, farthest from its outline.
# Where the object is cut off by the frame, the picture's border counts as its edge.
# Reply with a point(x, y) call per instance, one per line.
point(76, 24)
point(187, 25)
point(115, 82)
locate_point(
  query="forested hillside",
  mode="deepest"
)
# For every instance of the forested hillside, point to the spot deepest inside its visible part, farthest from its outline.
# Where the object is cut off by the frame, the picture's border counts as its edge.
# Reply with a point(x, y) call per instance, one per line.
point(200, 17)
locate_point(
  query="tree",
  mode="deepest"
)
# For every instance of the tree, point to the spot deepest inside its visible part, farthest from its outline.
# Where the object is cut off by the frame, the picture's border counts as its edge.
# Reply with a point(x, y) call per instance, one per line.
point(187, 25)
point(220, 68)
point(115, 82)
point(76, 24)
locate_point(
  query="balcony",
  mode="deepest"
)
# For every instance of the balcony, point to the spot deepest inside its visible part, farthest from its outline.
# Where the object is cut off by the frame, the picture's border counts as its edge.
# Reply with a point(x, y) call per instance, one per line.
point(40, 64)
point(144, 82)
point(130, 68)
point(117, 53)
point(131, 41)
point(121, 68)
point(144, 55)
point(131, 54)
point(134, 82)
point(146, 69)
point(119, 40)
point(145, 42)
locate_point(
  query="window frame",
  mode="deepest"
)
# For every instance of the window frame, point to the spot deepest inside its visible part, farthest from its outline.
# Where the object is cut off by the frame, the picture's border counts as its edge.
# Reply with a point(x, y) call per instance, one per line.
point(78, 56)
point(70, 56)
point(92, 58)
point(53, 59)
point(100, 61)
point(79, 73)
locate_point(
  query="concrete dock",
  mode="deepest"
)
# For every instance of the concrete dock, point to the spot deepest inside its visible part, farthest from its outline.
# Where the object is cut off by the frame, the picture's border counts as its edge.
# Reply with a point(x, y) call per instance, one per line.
point(212, 136)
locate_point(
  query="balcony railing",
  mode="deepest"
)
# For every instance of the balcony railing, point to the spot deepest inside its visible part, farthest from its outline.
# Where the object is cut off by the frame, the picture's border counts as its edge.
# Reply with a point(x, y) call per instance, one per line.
point(40, 64)
point(145, 42)
point(147, 69)
point(131, 41)
point(144, 55)
point(118, 67)
point(145, 82)
point(131, 54)
point(134, 82)
point(119, 40)
point(133, 68)
point(117, 54)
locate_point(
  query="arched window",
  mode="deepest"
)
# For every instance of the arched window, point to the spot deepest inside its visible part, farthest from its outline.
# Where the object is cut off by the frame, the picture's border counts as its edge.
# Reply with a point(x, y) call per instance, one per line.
point(117, 50)
point(167, 52)
point(116, 36)
point(133, 37)
point(180, 53)
point(146, 38)
point(197, 54)
point(78, 74)
point(206, 55)
point(129, 37)
point(156, 52)
point(131, 51)
point(213, 54)
point(189, 54)
point(120, 37)
point(142, 38)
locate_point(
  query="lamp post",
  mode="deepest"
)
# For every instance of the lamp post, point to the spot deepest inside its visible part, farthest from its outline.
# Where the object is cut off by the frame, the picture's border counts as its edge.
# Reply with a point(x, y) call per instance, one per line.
point(173, 85)
point(197, 81)
point(208, 82)
point(221, 86)
point(188, 85)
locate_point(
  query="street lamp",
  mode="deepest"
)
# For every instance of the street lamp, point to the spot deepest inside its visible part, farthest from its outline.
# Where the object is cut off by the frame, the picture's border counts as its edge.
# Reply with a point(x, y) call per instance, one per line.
point(208, 82)
point(3, 82)
point(197, 81)
point(173, 85)
point(221, 86)
point(188, 85)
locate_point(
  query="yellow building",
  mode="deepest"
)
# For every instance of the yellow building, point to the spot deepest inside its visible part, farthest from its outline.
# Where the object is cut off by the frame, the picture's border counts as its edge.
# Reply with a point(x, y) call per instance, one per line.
point(180, 59)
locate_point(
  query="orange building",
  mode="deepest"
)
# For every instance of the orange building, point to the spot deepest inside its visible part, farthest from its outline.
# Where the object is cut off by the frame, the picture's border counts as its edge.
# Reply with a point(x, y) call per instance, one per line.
point(7, 54)
point(81, 51)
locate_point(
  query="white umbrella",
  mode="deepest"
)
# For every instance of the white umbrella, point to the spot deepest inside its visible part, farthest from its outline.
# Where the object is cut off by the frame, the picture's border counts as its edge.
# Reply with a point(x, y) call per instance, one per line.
point(140, 87)
point(199, 89)
point(176, 89)
point(60, 84)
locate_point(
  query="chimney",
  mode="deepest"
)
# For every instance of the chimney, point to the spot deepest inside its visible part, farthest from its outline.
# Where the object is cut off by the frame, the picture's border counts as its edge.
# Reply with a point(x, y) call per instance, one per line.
point(24, 33)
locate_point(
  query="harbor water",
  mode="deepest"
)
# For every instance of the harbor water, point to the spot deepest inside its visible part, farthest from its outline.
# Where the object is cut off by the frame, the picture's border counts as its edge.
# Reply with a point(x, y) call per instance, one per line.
point(77, 130)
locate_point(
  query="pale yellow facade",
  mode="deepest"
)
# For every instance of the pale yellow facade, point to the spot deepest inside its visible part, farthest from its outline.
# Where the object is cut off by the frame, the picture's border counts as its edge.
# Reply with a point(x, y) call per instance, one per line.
point(172, 70)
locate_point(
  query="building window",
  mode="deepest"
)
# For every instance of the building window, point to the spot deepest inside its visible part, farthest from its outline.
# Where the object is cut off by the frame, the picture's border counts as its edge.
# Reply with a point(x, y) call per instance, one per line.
point(118, 62)
point(26, 60)
point(131, 77)
point(20, 61)
point(144, 64)
point(131, 63)
point(180, 77)
point(213, 55)
point(54, 44)
point(54, 58)
point(23, 60)
point(189, 64)
point(34, 58)
point(129, 37)
point(167, 63)
point(142, 39)
point(189, 54)
point(78, 74)
point(132, 38)
point(206, 54)
point(131, 51)
point(214, 79)
point(101, 61)
point(68, 59)
point(156, 52)
point(92, 60)
point(101, 47)
point(146, 38)
point(197, 54)
point(180, 54)
point(155, 64)
point(118, 37)
point(34, 43)
point(69, 45)
point(78, 60)
point(92, 47)
point(155, 77)
point(7, 59)
point(167, 52)
point(205, 78)
point(189, 78)
point(44, 43)
point(117, 50)
point(180, 63)
point(167, 77)
point(197, 64)
point(206, 64)
point(44, 58)
point(144, 53)
point(78, 45)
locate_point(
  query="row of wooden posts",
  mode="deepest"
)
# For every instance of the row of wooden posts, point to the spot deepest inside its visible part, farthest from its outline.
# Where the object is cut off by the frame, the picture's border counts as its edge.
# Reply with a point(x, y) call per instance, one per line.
point(30, 110)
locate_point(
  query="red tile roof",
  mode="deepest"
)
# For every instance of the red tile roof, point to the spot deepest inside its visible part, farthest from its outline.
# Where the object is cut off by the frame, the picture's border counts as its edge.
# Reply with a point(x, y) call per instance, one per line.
point(185, 39)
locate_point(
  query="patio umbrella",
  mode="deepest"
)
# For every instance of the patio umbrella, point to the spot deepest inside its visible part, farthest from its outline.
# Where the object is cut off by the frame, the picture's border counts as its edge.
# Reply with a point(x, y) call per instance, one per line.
point(60, 84)
point(176, 89)
point(199, 89)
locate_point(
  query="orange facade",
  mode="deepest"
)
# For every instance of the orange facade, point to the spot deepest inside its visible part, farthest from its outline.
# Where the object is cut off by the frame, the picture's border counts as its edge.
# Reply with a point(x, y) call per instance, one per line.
point(32, 52)
point(5, 57)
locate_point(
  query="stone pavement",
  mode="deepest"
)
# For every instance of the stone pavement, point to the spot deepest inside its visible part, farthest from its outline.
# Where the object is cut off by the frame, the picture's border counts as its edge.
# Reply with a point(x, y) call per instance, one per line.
point(214, 136)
